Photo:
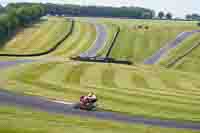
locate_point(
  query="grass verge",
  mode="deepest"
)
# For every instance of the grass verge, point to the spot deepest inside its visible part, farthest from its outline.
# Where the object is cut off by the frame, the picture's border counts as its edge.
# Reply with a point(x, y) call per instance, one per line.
point(38, 38)
point(142, 90)
point(20, 120)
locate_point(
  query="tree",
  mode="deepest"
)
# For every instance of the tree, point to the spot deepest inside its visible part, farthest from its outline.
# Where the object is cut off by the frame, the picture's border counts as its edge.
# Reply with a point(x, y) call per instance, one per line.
point(198, 23)
point(169, 15)
point(161, 14)
point(3, 28)
point(188, 17)
point(1, 9)
point(148, 15)
point(193, 16)
point(99, 11)
point(16, 16)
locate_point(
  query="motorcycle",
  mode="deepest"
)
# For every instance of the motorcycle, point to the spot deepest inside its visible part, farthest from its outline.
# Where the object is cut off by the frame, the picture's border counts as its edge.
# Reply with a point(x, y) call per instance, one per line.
point(86, 104)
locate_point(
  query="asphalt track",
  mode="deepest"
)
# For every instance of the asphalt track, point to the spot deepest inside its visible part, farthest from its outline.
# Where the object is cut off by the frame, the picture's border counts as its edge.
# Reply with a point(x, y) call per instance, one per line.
point(99, 42)
point(6, 64)
point(171, 45)
point(8, 98)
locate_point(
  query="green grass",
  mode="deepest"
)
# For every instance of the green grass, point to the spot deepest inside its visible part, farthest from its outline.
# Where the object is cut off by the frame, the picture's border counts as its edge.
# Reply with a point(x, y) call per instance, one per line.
point(181, 49)
point(141, 90)
point(149, 91)
point(190, 63)
point(132, 44)
point(19, 120)
point(81, 39)
point(111, 32)
point(83, 36)
point(138, 44)
point(38, 37)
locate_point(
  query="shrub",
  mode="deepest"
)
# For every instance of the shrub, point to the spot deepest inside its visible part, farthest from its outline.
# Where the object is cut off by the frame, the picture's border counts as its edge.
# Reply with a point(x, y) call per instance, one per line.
point(140, 26)
point(146, 27)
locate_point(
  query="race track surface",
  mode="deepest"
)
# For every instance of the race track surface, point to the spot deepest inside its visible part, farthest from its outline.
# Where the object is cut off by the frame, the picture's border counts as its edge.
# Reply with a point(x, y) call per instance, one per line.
point(164, 50)
point(99, 42)
point(8, 98)
point(6, 64)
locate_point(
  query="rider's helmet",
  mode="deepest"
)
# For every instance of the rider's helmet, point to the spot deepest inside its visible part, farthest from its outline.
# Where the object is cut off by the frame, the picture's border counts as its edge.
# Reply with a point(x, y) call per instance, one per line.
point(90, 94)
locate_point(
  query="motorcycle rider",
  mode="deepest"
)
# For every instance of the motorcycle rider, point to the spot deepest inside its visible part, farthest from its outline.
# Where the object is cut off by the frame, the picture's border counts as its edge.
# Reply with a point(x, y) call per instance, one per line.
point(87, 102)
point(92, 97)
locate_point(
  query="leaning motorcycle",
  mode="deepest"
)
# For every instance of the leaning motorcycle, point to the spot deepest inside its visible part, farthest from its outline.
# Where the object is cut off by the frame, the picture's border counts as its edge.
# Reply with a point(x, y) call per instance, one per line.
point(86, 104)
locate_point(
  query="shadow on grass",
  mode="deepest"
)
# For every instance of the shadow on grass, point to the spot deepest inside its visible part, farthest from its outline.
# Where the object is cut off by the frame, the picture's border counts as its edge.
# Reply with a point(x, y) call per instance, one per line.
point(20, 29)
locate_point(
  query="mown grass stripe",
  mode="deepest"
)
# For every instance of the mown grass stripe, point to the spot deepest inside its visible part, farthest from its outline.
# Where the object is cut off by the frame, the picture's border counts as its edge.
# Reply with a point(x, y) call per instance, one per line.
point(108, 75)
point(57, 74)
point(44, 39)
point(56, 34)
point(41, 36)
point(29, 31)
point(33, 73)
point(73, 41)
point(74, 75)
point(137, 94)
point(35, 34)
point(86, 42)
point(92, 75)
point(82, 42)
point(127, 80)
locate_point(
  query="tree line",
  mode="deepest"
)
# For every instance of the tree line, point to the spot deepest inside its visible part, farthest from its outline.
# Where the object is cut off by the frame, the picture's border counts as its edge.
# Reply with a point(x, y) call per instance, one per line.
point(97, 11)
point(1, 9)
point(193, 16)
point(18, 16)
point(100, 11)
point(162, 15)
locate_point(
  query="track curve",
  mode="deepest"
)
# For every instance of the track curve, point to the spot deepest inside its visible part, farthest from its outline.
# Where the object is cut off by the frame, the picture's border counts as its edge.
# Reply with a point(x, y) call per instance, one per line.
point(99, 42)
point(171, 45)
point(6, 64)
point(8, 98)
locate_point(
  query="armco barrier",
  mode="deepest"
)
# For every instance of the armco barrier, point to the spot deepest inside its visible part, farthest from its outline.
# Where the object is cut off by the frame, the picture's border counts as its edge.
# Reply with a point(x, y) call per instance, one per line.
point(49, 50)
point(173, 62)
point(106, 59)
point(113, 42)
point(101, 60)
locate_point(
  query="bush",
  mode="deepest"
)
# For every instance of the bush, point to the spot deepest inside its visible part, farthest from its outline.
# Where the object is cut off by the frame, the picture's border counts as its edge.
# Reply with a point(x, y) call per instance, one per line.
point(198, 23)
point(140, 26)
point(146, 27)
point(15, 17)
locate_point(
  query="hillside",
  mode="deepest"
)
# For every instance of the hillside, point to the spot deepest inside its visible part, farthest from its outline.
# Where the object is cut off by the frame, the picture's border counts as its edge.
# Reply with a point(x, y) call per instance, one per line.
point(45, 34)
point(150, 91)
point(37, 121)
point(136, 43)
point(139, 88)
